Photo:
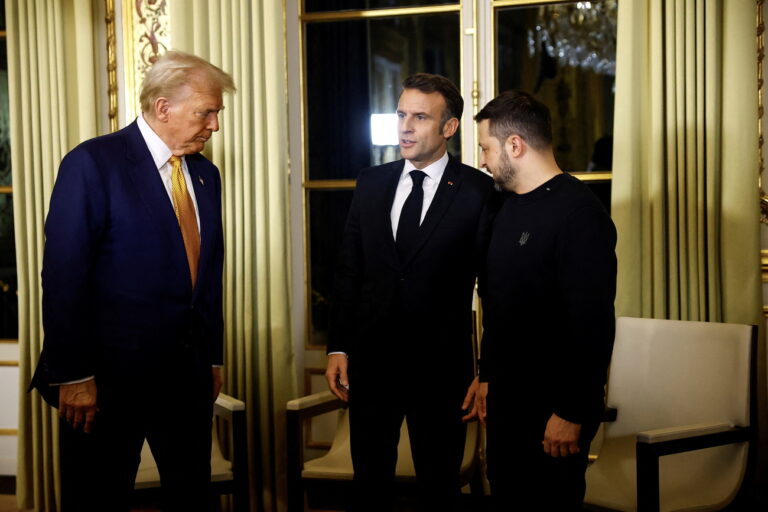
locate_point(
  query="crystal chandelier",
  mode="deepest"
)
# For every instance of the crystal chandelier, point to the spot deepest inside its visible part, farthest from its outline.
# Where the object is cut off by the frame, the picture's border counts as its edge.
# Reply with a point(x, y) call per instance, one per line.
point(579, 34)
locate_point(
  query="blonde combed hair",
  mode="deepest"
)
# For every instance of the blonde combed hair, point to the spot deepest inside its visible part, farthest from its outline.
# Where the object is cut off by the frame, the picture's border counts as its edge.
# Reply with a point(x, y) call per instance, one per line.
point(175, 69)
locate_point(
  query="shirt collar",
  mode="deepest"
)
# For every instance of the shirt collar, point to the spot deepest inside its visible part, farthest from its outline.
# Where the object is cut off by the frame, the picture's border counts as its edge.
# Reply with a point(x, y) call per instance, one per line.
point(434, 170)
point(160, 152)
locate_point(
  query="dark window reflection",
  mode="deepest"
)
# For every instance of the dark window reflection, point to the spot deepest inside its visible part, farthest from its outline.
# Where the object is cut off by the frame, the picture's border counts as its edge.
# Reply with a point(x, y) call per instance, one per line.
point(565, 55)
point(9, 313)
point(337, 5)
point(327, 215)
point(354, 70)
point(602, 189)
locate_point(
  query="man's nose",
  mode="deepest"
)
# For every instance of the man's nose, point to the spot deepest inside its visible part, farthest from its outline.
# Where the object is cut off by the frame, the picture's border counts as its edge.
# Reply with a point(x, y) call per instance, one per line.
point(406, 126)
point(213, 122)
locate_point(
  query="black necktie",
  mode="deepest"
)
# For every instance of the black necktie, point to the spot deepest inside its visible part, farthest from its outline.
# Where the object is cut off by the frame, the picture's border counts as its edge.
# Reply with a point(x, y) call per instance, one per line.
point(410, 216)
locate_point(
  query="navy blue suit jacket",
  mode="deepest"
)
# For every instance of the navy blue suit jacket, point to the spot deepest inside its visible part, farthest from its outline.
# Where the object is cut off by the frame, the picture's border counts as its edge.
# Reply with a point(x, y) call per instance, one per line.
point(117, 291)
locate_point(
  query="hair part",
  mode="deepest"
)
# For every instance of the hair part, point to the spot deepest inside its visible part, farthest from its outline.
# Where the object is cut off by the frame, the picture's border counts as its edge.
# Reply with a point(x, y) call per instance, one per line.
point(518, 113)
point(175, 69)
point(427, 83)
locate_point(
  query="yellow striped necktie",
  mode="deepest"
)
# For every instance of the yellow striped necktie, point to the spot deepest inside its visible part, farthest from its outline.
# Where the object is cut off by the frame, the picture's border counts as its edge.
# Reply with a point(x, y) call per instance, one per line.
point(185, 213)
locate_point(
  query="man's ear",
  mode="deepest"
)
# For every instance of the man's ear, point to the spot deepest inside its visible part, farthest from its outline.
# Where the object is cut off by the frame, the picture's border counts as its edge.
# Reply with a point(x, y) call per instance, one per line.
point(162, 109)
point(515, 146)
point(450, 127)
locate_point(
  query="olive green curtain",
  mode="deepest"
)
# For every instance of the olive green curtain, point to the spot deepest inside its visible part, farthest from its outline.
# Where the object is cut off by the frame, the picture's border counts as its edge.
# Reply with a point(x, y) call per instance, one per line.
point(51, 85)
point(685, 197)
point(246, 38)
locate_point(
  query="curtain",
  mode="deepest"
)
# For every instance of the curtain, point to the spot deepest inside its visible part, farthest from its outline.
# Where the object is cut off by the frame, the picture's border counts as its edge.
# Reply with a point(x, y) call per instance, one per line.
point(246, 39)
point(51, 83)
point(684, 197)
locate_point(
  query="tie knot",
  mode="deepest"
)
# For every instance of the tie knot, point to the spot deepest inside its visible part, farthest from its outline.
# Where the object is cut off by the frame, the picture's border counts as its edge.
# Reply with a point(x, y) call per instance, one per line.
point(175, 162)
point(418, 177)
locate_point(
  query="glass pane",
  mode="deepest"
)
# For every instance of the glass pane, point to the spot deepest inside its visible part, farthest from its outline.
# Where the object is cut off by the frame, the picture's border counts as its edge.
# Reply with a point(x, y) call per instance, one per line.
point(354, 70)
point(9, 309)
point(327, 215)
point(357, 5)
point(565, 54)
point(602, 189)
point(5, 126)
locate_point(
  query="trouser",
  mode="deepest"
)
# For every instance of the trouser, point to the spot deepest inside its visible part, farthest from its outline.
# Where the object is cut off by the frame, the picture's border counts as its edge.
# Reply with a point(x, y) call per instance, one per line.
point(172, 409)
point(522, 476)
point(437, 437)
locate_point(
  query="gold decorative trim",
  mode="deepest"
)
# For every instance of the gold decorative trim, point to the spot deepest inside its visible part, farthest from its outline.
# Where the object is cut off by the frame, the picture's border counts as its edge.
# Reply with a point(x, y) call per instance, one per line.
point(6, 190)
point(145, 38)
point(111, 64)
point(523, 3)
point(764, 264)
point(8, 340)
point(593, 176)
point(3, 34)
point(377, 13)
point(760, 111)
point(765, 311)
point(329, 184)
point(9, 363)
point(9, 432)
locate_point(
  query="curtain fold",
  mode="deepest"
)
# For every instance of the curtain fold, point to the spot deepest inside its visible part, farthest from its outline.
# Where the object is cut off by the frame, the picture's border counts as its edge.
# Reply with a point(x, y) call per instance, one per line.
point(51, 85)
point(246, 39)
point(685, 199)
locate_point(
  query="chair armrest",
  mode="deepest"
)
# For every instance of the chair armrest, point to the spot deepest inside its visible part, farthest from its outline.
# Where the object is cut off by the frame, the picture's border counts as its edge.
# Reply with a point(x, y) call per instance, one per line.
point(313, 405)
point(661, 435)
point(226, 405)
point(653, 444)
point(297, 411)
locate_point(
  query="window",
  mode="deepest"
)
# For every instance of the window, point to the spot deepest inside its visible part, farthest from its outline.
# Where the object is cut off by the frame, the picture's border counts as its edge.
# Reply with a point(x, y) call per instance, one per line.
point(9, 320)
point(347, 59)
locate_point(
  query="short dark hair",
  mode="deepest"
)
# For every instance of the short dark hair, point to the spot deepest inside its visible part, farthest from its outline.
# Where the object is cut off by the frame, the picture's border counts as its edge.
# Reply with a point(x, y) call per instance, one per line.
point(518, 113)
point(426, 83)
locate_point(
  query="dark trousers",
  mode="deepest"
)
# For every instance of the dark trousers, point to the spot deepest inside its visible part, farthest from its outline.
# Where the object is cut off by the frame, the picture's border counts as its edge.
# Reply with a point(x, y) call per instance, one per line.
point(522, 476)
point(173, 410)
point(437, 437)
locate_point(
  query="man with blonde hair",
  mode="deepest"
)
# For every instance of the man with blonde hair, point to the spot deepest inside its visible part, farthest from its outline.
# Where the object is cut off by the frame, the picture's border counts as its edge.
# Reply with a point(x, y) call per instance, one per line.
point(132, 294)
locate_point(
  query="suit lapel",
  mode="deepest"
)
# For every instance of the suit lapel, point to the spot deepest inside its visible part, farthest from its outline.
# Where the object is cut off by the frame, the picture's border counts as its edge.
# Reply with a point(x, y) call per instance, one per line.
point(444, 196)
point(205, 211)
point(150, 189)
point(384, 209)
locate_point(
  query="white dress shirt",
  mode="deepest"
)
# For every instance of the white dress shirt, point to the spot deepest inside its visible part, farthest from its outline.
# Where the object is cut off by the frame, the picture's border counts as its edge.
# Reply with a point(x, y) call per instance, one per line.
point(434, 172)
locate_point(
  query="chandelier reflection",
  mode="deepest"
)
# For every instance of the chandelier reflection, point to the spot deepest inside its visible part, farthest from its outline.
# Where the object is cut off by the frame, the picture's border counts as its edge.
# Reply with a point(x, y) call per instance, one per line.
point(578, 34)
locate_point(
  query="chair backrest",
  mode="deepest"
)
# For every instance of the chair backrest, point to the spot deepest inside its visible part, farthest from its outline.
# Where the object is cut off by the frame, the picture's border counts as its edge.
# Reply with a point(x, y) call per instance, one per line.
point(668, 372)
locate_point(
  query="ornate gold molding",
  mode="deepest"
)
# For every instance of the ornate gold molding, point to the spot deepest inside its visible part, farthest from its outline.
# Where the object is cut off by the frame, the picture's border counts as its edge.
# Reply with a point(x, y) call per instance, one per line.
point(760, 111)
point(145, 38)
point(111, 65)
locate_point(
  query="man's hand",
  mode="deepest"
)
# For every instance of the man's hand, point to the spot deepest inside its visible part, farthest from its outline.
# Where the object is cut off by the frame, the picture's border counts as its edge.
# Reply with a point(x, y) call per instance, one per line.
point(336, 375)
point(77, 404)
point(561, 437)
point(217, 381)
point(476, 395)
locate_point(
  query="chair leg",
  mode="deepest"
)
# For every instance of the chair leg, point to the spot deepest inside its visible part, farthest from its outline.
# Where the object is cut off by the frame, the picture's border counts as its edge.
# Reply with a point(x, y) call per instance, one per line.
point(647, 478)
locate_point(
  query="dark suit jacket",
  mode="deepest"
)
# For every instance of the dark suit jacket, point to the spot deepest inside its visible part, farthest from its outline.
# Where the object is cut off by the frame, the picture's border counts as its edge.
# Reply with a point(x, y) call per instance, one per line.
point(417, 311)
point(117, 292)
